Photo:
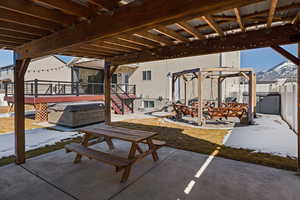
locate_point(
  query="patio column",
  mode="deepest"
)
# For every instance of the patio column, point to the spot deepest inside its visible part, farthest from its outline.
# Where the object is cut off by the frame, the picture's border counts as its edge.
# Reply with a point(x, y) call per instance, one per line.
point(107, 92)
point(173, 89)
point(251, 97)
point(19, 73)
point(220, 80)
point(200, 98)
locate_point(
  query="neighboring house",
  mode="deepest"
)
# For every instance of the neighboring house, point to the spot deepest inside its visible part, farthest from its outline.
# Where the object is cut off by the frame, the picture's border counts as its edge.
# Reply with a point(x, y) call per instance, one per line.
point(153, 79)
point(45, 68)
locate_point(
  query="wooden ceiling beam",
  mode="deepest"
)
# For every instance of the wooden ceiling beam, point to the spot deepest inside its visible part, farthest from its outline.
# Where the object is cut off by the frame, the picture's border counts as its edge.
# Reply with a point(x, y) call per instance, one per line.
point(190, 29)
point(83, 54)
point(68, 7)
point(9, 44)
point(31, 9)
point(232, 42)
point(210, 21)
point(296, 18)
point(172, 34)
point(155, 38)
point(105, 51)
point(13, 39)
point(239, 19)
point(84, 51)
point(10, 16)
point(123, 43)
point(107, 4)
point(271, 12)
point(95, 50)
point(103, 45)
point(286, 54)
point(14, 34)
point(22, 28)
point(128, 19)
point(138, 40)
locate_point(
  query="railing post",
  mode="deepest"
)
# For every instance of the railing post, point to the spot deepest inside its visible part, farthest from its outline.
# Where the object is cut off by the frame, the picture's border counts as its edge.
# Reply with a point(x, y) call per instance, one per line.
point(123, 111)
point(31, 88)
point(77, 88)
point(36, 88)
point(64, 89)
point(6, 89)
point(134, 89)
point(50, 89)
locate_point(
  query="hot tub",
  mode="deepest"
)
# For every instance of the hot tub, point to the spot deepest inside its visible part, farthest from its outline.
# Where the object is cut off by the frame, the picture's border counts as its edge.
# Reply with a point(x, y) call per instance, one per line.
point(76, 114)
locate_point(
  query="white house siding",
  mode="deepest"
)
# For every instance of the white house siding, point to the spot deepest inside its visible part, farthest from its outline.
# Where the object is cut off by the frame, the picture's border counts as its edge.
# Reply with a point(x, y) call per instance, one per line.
point(45, 68)
point(48, 68)
point(159, 85)
point(288, 93)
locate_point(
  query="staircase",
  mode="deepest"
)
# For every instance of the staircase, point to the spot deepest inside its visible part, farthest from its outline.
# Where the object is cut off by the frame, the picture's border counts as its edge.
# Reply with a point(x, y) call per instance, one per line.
point(122, 101)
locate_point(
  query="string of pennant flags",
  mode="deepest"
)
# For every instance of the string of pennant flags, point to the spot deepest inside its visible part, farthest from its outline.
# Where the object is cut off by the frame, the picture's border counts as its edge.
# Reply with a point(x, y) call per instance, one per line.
point(46, 70)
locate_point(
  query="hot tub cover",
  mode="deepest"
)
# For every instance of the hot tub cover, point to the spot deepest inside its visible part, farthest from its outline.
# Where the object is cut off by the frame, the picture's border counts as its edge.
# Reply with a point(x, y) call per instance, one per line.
point(76, 107)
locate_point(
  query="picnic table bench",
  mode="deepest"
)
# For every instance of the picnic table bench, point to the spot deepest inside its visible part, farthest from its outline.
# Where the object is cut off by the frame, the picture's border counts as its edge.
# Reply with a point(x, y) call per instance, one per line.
point(107, 133)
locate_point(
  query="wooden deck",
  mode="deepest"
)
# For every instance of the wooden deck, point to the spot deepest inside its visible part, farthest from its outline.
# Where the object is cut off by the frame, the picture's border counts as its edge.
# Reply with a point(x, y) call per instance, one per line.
point(57, 99)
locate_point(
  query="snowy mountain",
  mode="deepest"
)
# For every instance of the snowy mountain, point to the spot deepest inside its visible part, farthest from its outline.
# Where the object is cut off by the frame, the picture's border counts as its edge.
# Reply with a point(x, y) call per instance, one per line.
point(285, 69)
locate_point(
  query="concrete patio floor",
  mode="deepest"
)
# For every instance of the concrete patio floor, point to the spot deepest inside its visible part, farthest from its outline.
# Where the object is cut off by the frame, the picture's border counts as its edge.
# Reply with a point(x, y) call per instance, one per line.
point(178, 175)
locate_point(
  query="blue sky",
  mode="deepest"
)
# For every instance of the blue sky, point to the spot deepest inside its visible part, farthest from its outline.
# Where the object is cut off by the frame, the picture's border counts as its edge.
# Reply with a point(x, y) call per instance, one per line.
point(6, 58)
point(264, 58)
point(260, 59)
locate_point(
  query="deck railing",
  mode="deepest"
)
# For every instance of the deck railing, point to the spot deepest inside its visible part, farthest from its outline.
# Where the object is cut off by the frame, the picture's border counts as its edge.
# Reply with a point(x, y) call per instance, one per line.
point(47, 88)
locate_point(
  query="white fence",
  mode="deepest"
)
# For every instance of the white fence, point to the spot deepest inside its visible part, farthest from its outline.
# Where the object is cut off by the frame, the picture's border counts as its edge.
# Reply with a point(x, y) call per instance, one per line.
point(289, 106)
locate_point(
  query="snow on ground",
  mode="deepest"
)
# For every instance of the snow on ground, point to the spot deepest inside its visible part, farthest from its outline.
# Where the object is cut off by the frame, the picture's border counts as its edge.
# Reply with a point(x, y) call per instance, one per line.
point(11, 114)
point(270, 134)
point(40, 137)
point(35, 138)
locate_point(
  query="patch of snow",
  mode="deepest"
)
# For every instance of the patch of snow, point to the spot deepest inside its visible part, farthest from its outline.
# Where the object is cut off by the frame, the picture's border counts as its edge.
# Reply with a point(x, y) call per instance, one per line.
point(35, 138)
point(270, 134)
point(11, 114)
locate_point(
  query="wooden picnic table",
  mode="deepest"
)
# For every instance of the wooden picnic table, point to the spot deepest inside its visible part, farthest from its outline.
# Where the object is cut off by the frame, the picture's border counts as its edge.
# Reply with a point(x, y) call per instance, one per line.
point(107, 133)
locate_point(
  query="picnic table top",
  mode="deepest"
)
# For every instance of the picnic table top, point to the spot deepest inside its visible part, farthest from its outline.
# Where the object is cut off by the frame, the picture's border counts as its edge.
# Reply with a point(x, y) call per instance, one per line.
point(119, 133)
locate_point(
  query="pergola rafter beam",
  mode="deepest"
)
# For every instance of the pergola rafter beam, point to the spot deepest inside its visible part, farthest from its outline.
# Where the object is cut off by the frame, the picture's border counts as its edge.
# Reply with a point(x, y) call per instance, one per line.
point(138, 40)
point(107, 4)
point(190, 29)
point(172, 34)
point(286, 54)
point(150, 14)
point(22, 28)
point(10, 16)
point(31, 9)
point(68, 7)
point(233, 42)
point(155, 38)
point(239, 19)
point(211, 22)
point(271, 12)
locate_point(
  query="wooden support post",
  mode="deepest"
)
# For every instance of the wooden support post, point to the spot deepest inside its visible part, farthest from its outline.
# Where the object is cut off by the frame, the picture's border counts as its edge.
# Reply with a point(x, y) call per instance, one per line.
point(298, 109)
point(200, 92)
point(185, 94)
point(254, 94)
point(220, 80)
point(173, 89)
point(107, 92)
point(251, 98)
point(20, 69)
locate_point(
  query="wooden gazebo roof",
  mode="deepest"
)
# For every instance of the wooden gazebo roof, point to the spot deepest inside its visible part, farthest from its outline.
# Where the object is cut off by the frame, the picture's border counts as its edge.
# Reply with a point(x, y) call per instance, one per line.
point(131, 31)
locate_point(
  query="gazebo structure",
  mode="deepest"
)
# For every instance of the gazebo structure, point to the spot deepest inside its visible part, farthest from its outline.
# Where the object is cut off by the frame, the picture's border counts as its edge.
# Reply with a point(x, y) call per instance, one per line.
point(130, 31)
point(221, 73)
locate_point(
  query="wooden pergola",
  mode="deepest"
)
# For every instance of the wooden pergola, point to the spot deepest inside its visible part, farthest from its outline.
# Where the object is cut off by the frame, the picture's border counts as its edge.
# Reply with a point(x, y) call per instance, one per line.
point(130, 31)
point(221, 73)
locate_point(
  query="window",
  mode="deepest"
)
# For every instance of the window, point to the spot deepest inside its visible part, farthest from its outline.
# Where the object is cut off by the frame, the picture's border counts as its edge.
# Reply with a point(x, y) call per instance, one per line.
point(148, 104)
point(147, 75)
